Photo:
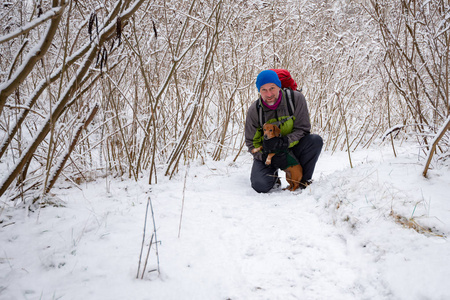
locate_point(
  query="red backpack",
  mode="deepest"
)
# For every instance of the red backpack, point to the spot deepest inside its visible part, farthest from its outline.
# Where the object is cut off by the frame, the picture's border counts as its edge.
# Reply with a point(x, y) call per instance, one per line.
point(286, 79)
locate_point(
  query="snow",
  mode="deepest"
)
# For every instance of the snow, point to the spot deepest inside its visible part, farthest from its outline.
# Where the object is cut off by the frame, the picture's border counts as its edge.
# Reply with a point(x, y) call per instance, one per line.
point(335, 240)
point(30, 25)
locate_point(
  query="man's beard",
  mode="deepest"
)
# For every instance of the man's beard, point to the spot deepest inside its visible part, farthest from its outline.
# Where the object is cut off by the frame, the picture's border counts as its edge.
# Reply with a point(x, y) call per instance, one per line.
point(271, 100)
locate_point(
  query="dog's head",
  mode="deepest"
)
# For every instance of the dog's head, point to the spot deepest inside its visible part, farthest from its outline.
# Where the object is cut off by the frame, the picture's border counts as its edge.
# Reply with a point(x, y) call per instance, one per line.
point(271, 130)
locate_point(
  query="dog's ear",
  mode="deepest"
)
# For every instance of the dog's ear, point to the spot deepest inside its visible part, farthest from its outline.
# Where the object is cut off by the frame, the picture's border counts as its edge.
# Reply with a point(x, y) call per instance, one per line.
point(276, 130)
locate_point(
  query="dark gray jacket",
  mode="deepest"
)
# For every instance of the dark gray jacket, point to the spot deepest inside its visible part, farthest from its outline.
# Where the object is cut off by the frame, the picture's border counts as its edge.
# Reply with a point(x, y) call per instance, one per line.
point(294, 128)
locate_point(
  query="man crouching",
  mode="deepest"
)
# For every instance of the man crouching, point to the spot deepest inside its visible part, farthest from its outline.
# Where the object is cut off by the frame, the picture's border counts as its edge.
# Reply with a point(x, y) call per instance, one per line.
point(292, 117)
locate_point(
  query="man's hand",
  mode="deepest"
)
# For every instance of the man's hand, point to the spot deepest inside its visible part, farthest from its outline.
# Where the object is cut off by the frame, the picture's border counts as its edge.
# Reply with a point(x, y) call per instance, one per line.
point(275, 144)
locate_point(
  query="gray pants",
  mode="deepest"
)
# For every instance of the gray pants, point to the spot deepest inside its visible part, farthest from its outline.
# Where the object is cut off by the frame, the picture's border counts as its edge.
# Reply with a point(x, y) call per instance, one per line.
point(307, 152)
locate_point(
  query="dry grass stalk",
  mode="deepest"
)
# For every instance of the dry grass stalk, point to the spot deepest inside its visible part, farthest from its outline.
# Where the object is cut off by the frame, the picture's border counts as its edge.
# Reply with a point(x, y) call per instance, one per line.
point(412, 224)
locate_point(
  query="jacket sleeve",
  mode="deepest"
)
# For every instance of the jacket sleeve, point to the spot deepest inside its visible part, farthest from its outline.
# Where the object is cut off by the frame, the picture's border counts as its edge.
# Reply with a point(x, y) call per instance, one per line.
point(251, 129)
point(302, 123)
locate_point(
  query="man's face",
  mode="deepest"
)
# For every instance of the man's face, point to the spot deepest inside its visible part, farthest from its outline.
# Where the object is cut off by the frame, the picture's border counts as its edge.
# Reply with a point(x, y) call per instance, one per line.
point(269, 93)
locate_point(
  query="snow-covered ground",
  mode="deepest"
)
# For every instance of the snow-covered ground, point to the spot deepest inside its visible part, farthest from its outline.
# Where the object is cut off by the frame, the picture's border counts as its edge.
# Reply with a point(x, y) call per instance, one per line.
point(341, 238)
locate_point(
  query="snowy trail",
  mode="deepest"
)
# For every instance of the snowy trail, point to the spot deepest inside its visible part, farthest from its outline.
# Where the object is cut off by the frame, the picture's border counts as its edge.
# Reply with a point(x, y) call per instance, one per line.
point(335, 240)
point(273, 246)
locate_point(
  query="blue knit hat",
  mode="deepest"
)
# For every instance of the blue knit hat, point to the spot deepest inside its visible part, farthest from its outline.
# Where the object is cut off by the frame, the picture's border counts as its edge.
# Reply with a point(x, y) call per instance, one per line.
point(267, 76)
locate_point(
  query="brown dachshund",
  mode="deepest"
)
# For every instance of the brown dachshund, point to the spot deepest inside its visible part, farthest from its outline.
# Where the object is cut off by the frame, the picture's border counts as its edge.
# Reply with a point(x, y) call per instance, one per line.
point(294, 173)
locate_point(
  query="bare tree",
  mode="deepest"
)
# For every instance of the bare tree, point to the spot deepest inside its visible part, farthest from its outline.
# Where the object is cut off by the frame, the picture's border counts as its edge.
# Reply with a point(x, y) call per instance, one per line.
point(415, 37)
point(68, 96)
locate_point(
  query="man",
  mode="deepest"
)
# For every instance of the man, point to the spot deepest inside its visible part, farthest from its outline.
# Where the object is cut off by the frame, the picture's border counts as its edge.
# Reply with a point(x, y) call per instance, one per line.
point(273, 107)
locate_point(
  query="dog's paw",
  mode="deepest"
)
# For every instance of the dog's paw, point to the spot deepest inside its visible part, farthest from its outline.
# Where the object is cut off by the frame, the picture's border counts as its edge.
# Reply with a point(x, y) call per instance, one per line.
point(254, 150)
point(292, 188)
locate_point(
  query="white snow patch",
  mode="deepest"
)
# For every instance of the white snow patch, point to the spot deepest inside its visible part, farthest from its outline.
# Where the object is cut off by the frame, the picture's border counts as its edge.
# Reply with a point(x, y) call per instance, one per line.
point(335, 240)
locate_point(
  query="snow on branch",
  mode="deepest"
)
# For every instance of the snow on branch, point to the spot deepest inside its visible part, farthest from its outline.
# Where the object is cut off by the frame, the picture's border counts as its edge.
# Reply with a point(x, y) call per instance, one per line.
point(34, 55)
point(391, 130)
point(67, 94)
point(29, 26)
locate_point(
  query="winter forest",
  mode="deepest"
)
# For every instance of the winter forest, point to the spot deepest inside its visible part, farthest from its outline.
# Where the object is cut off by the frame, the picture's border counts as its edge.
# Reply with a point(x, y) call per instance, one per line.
point(126, 87)
point(139, 89)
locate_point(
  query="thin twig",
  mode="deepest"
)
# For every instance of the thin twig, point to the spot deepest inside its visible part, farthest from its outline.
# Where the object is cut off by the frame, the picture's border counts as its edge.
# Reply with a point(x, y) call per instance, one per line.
point(154, 231)
point(148, 254)
point(143, 238)
point(182, 202)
